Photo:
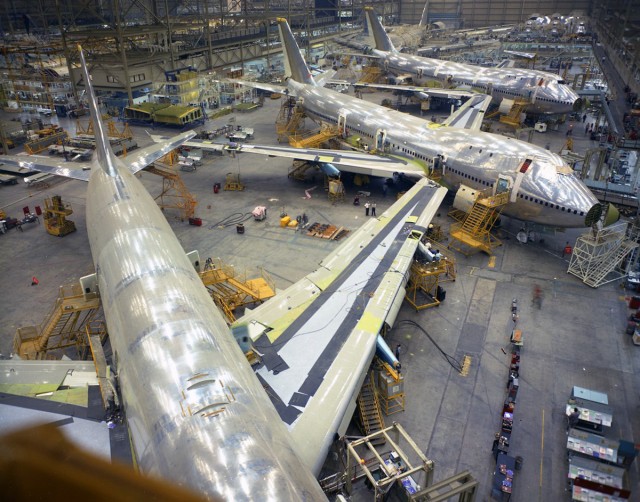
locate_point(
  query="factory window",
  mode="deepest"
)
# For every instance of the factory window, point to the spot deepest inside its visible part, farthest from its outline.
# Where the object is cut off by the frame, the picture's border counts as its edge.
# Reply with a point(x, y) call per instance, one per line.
point(136, 78)
point(112, 78)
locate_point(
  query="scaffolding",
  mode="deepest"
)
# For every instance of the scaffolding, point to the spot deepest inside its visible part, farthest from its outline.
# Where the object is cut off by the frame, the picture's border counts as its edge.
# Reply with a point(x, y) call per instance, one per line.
point(394, 468)
point(63, 327)
point(314, 140)
point(370, 75)
point(290, 119)
point(423, 289)
point(473, 234)
point(231, 290)
point(175, 194)
point(601, 255)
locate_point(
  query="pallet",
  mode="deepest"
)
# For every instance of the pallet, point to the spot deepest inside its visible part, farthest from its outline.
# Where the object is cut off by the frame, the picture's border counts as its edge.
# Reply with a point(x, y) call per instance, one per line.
point(327, 231)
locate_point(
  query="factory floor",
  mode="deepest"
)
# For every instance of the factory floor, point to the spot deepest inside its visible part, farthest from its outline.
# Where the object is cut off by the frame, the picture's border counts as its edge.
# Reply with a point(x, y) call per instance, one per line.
point(576, 338)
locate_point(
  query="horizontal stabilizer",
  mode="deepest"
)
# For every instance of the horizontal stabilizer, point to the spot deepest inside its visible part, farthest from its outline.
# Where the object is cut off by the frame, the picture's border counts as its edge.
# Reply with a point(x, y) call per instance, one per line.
point(141, 158)
point(59, 167)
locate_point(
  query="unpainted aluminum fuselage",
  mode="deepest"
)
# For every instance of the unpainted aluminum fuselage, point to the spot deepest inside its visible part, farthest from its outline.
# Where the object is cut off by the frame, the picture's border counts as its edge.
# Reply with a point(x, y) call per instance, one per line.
point(546, 92)
point(196, 411)
point(548, 192)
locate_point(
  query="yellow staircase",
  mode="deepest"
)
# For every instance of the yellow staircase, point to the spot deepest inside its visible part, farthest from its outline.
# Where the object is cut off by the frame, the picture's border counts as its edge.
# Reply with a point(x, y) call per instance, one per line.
point(370, 75)
point(175, 194)
point(230, 291)
point(513, 117)
point(63, 327)
point(369, 410)
point(474, 232)
point(289, 120)
point(314, 140)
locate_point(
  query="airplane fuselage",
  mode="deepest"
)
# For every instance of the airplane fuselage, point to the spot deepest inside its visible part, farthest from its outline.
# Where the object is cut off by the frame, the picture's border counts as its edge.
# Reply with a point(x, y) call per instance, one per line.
point(546, 192)
point(197, 413)
point(544, 91)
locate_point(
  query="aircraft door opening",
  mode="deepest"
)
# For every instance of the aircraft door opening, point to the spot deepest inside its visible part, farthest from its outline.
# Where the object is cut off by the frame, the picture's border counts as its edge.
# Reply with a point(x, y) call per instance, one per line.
point(342, 123)
point(503, 184)
point(381, 137)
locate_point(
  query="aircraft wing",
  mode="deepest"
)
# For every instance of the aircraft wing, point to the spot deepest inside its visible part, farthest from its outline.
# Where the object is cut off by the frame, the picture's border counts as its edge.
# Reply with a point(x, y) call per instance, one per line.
point(136, 161)
point(141, 158)
point(317, 338)
point(429, 91)
point(282, 89)
point(471, 114)
point(57, 166)
point(325, 77)
point(346, 160)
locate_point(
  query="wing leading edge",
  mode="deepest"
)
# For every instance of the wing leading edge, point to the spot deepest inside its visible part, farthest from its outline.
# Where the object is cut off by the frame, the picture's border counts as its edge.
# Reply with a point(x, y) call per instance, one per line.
point(317, 338)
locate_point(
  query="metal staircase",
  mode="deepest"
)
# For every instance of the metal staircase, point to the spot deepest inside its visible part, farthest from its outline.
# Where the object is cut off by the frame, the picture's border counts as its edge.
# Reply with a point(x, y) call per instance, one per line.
point(175, 194)
point(289, 120)
point(599, 256)
point(474, 232)
point(229, 290)
point(370, 75)
point(369, 409)
point(513, 118)
point(96, 335)
point(63, 327)
point(314, 140)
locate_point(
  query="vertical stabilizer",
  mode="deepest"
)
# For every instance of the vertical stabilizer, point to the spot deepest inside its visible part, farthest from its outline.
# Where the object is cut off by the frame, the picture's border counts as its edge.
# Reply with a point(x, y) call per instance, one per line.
point(105, 155)
point(295, 65)
point(375, 28)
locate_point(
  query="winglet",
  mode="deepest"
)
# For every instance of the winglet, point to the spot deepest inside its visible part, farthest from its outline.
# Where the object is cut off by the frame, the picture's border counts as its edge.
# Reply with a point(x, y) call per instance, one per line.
point(376, 30)
point(106, 157)
point(295, 65)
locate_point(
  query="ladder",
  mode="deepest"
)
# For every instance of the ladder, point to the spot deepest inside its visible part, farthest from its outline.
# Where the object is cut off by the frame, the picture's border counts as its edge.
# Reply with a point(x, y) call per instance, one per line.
point(289, 119)
point(474, 232)
point(369, 409)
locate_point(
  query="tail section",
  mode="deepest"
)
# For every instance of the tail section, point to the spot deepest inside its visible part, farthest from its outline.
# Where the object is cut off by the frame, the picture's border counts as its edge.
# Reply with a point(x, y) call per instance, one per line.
point(106, 157)
point(376, 30)
point(295, 65)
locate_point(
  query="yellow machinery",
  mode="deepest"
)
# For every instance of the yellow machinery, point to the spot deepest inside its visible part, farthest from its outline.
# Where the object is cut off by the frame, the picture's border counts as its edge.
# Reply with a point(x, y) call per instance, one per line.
point(55, 217)
point(473, 233)
point(314, 140)
point(391, 389)
point(513, 118)
point(232, 183)
point(425, 279)
point(370, 75)
point(44, 141)
point(336, 190)
point(65, 326)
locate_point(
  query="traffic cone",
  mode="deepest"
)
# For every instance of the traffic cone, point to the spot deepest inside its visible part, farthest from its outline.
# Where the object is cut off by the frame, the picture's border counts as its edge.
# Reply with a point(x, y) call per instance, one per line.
point(34, 281)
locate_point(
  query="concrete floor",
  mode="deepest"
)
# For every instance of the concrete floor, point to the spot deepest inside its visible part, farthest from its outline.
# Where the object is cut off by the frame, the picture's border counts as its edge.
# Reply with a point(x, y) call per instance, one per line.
point(576, 338)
